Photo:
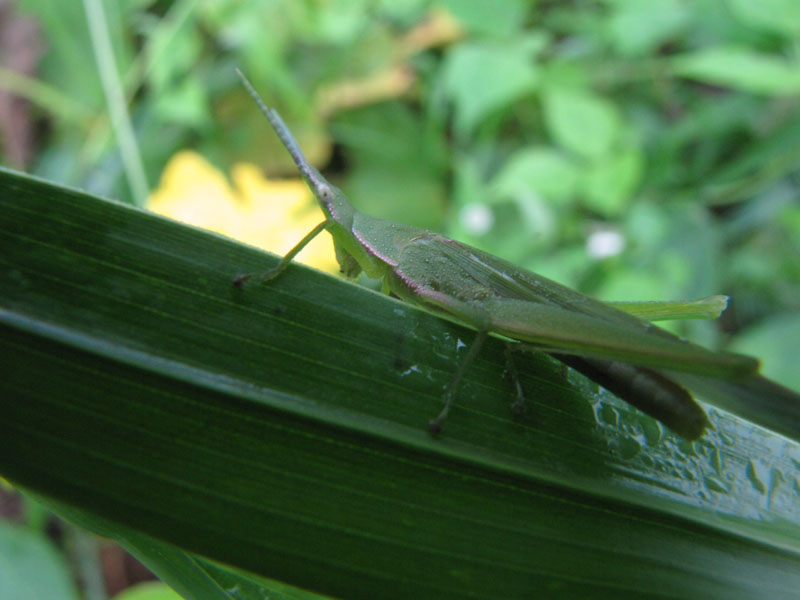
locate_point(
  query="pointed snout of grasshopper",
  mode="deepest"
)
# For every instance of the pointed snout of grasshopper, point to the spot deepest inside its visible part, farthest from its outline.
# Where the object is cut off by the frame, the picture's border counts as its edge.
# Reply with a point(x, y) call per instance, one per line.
point(321, 188)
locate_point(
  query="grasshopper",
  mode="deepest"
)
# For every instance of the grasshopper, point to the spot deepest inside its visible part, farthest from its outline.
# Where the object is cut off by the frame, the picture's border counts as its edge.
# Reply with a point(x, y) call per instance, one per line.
point(626, 355)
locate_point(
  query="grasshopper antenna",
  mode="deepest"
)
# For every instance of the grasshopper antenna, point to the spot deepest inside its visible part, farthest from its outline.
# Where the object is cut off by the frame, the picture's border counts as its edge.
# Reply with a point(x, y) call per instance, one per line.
point(306, 170)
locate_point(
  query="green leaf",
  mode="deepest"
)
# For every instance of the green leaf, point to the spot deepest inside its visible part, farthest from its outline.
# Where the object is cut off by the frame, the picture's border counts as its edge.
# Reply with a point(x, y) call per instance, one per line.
point(340, 21)
point(481, 78)
point(185, 103)
point(611, 180)
point(501, 17)
point(581, 121)
point(542, 171)
point(740, 69)
point(30, 567)
point(282, 430)
point(637, 27)
point(779, 16)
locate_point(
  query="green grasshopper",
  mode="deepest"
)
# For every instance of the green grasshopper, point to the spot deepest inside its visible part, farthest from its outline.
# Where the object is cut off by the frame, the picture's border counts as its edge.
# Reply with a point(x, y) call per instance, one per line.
point(624, 354)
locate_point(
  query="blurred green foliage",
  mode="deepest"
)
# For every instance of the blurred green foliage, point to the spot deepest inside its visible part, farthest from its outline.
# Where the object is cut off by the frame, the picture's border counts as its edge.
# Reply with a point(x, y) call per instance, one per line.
point(633, 149)
point(31, 565)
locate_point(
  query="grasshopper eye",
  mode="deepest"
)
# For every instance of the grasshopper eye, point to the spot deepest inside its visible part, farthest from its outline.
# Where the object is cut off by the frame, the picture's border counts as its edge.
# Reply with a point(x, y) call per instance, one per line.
point(325, 192)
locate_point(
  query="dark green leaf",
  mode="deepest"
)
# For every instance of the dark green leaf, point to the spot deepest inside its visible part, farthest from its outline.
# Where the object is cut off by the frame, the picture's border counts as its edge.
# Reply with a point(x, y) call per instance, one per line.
point(281, 430)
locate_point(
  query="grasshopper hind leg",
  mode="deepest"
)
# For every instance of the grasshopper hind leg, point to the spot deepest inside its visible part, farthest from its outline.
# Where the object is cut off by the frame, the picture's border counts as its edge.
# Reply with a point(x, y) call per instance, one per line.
point(435, 425)
point(646, 389)
point(518, 406)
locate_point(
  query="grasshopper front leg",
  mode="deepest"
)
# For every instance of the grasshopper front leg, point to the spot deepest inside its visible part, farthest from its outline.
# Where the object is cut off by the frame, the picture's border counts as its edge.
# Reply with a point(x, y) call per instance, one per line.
point(268, 276)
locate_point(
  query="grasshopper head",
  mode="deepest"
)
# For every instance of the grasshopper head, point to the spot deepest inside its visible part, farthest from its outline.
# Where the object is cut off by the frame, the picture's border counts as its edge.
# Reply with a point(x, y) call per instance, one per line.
point(331, 199)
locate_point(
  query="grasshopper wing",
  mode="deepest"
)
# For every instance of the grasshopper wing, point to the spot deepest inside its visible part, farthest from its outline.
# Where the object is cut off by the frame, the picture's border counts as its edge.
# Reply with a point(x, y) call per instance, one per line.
point(481, 290)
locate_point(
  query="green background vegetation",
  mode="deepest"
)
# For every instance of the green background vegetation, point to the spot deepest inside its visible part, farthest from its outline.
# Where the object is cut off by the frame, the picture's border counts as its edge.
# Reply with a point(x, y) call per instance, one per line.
point(525, 128)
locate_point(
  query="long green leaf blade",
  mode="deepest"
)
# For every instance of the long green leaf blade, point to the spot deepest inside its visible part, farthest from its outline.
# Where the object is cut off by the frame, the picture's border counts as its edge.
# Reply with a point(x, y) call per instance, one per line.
point(282, 430)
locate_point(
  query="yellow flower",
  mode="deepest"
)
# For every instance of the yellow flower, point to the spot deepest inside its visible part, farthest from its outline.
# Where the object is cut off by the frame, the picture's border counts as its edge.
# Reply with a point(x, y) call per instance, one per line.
point(270, 214)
